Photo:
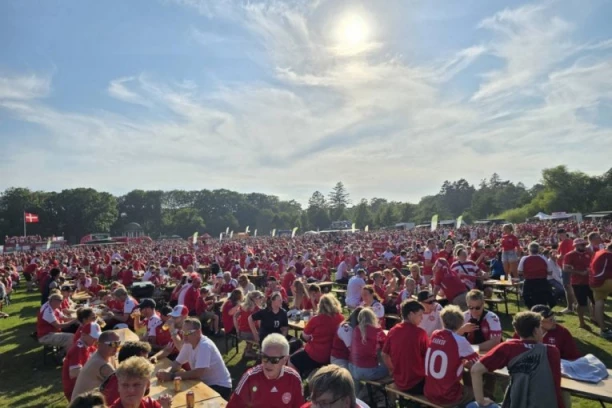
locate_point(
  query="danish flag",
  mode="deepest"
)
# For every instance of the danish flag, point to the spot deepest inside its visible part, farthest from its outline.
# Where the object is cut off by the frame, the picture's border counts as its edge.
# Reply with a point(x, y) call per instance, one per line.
point(30, 218)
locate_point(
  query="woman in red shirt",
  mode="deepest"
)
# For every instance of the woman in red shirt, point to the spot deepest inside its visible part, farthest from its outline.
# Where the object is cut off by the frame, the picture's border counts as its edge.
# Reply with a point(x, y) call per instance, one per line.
point(288, 279)
point(133, 380)
point(251, 305)
point(510, 250)
point(318, 334)
point(368, 338)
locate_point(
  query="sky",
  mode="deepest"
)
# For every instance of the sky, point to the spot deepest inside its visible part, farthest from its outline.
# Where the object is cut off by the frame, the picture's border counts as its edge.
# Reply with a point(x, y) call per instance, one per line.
point(287, 97)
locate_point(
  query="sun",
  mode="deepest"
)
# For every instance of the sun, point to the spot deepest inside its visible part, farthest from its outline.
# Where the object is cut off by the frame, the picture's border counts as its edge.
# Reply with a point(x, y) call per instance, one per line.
point(353, 31)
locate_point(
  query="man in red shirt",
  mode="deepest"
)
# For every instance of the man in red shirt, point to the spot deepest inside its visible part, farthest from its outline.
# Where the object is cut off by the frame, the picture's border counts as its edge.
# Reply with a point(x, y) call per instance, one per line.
point(528, 327)
point(566, 245)
point(405, 348)
point(446, 356)
point(50, 322)
point(271, 384)
point(535, 269)
point(600, 280)
point(578, 262)
point(78, 355)
point(450, 282)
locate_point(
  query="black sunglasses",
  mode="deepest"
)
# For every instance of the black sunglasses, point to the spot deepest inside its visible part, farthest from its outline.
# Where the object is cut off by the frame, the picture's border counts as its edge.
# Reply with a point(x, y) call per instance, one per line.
point(475, 307)
point(430, 302)
point(270, 359)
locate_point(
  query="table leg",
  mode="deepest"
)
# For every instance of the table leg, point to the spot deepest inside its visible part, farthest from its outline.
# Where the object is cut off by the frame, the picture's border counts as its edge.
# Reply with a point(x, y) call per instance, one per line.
point(506, 299)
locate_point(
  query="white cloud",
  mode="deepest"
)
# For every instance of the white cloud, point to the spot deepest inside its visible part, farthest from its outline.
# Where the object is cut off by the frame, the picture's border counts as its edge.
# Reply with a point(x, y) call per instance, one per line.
point(24, 87)
point(386, 124)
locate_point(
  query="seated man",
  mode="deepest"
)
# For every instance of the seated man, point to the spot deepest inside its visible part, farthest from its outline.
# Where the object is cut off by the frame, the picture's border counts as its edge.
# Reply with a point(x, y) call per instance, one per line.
point(555, 334)
point(271, 383)
point(205, 310)
point(50, 322)
point(482, 327)
point(446, 356)
point(150, 321)
point(204, 359)
point(123, 319)
point(535, 368)
point(354, 287)
point(333, 386)
point(133, 380)
point(405, 348)
point(110, 388)
point(78, 355)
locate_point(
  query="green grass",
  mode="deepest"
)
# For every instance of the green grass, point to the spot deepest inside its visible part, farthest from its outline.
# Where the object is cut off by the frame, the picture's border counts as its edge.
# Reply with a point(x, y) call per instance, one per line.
point(27, 383)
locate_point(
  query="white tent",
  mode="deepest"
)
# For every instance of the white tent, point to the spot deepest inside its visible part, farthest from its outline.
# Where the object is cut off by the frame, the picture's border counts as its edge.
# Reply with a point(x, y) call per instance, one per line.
point(542, 216)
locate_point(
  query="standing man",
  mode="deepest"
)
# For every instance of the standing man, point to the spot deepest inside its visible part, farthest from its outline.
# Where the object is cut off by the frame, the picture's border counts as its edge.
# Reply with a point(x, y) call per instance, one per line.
point(600, 280)
point(566, 246)
point(535, 269)
point(577, 263)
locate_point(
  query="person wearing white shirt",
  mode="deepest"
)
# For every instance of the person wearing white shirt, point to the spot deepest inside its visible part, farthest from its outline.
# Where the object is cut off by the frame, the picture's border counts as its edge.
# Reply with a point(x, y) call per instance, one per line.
point(205, 361)
point(342, 272)
point(148, 274)
point(555, 277)
point(388, 254)
point(431, 315)
point(354, 287)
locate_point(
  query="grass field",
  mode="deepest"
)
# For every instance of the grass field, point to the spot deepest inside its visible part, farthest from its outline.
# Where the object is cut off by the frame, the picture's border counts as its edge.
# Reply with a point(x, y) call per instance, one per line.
point(27, 383)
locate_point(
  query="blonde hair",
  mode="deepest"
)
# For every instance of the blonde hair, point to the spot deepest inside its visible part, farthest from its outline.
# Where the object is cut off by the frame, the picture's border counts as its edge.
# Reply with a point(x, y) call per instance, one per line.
point(300, 294)
point(329, 305)
point(366, 318)
point(508, 227)
point(475, 295)
point(135, 367)
point(452, 317)
point(249, 301)
point(415, 267)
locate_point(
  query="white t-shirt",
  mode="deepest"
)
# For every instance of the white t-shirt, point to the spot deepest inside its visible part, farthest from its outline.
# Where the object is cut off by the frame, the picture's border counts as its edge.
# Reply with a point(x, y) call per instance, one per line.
point(345, 333)
point(129, 305)
point(554, 271)
point(432, 321)
point(388, 255)
point(206, 355)
point(353, 291)
point(341, 270)
point(153, 323)
point(147, 276)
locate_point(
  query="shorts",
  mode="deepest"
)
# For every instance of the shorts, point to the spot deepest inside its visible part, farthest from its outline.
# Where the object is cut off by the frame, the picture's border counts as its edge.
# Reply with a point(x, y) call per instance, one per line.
point(509, 256)
point(27, 276)
point(583, 294)
point(602, 292)
point(246, 336)
point(566, 278)
point(304, 364)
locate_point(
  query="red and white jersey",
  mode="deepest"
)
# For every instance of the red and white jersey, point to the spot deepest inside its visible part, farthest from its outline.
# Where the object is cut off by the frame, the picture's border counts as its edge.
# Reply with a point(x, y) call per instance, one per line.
point(534, 267)
point(489, 326)
point(444, 366)
point(432, 321)
point(256, 391)
point(467, 271)
point(76, 357)
point(153, 323)
point(46, 316)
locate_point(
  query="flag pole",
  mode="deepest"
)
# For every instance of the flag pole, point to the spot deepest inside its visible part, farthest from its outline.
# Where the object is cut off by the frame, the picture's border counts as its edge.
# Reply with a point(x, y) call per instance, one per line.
point(24, 225)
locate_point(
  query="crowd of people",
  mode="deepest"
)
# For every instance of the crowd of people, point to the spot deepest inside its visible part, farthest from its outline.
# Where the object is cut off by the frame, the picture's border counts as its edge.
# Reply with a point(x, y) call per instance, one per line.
point(251, 288)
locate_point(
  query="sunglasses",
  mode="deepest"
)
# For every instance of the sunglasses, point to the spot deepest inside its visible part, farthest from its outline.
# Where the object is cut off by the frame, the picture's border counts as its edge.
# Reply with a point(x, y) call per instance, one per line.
point(113, 344)
point(475, 307)
point(188, 332)
point(430, 302)
point(270, 359)
point(324, 404)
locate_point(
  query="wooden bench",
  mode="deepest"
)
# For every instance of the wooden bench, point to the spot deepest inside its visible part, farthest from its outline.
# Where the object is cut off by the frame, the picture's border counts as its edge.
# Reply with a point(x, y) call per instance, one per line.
point(231, 337)
point(340, 294)
point(419, 399)
point(371, 385)
point(493, 303)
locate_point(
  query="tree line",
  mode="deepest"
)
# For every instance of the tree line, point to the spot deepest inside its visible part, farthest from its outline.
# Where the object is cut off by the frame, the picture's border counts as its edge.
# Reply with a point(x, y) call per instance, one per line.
point(77, 212)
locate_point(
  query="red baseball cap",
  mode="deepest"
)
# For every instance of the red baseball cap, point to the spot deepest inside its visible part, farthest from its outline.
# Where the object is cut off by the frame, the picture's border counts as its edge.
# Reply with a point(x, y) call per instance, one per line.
point(179, 311)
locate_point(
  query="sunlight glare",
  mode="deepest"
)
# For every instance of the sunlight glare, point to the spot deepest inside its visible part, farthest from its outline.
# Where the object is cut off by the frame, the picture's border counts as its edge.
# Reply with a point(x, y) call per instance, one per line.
point(353, 31)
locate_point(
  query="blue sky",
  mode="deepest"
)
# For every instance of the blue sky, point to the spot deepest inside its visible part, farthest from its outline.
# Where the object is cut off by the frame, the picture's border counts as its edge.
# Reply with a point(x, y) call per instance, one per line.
point(287, 97)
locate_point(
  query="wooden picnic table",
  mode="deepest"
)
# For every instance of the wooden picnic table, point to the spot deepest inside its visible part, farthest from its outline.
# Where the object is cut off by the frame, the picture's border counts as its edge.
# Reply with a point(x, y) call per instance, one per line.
point(297, 326)
point(202, 392)
point(602, 391)
point(127, 335)
point(505, 285)
point(325, 286)
point(80, 296)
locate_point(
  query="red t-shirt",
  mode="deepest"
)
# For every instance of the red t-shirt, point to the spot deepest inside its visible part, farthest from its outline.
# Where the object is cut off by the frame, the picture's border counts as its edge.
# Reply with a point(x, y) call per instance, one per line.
point(580, 261)
point(534, 267)
point(565, 247)
point(322, 329)
point(601, 269)
point(364, 354)
point(288, 280)
point(243, 319)
point(76, 357)
point(509, 242)
point(450, 282)
point(444, 366)
point(256, 391)
point(406, 345)
point(202, 306)
point(226, 319)
point(110, 388)
point(503, 353)
point(147, 402)
point(562, 339)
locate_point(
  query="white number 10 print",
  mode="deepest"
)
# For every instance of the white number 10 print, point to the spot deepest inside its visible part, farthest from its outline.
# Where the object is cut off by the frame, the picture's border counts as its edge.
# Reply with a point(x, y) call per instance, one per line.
point(430, 364)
